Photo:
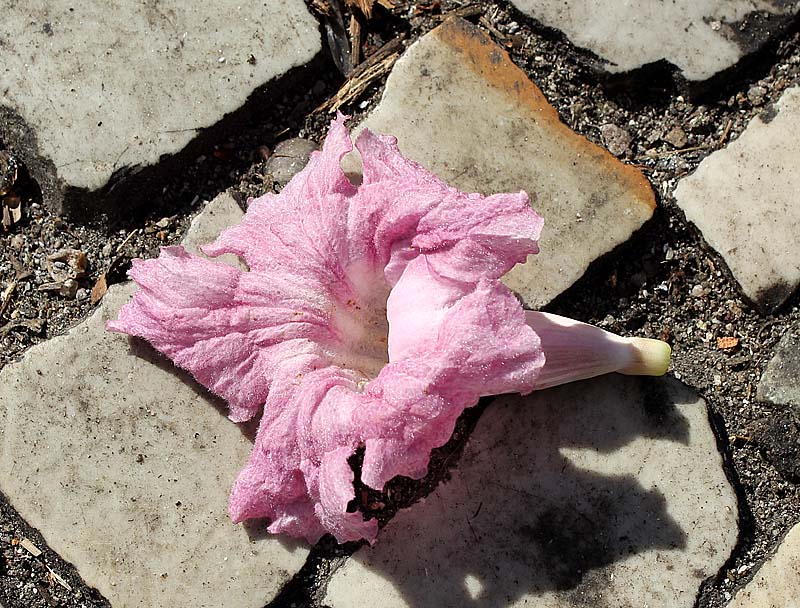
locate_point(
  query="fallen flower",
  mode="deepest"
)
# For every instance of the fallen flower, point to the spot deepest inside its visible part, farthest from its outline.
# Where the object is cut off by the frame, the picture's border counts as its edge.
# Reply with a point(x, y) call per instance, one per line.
point(371, 316)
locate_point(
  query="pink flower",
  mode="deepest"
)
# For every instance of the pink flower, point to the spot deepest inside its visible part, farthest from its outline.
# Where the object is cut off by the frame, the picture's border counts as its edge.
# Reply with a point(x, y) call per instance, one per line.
point(371, 316)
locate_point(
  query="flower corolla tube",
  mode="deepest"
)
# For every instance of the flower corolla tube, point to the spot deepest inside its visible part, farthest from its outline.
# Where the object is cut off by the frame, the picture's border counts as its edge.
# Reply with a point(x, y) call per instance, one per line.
point(368, 316)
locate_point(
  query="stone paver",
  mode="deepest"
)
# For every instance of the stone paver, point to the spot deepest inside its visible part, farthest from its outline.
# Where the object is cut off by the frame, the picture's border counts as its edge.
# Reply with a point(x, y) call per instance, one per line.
point(780, 383)
point(608, 492)
point(93, 91)
point(701, 37)
point(744, 201)
point(459, 106)
point(777, 583)
point(124, 464)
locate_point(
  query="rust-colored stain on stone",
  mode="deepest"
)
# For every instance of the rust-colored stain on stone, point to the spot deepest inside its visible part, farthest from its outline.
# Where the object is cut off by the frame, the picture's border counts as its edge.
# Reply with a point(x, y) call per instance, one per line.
point(496, 68)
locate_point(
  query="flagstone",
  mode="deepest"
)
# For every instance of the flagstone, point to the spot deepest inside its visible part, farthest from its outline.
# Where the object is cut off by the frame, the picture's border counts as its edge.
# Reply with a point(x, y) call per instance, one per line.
point(743, 199)
point(608, 492)
point(780, 383)
point(701, 38)
point(459, 106)
point(124, 464)
point(93, 92)
point(777, 582)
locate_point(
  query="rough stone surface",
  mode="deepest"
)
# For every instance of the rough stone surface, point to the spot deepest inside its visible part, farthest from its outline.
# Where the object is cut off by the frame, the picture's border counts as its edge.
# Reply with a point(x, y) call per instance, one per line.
point(777, 583)
point(612, 493)
point(459, 106)
point(701, 38)
point(94, 91)
point(778, 439)
point(744, 201)
point(124, 464)
point(780, 383)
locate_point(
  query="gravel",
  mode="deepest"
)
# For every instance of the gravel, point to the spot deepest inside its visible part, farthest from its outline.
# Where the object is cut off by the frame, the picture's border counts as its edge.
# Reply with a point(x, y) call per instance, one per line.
point(664, 283)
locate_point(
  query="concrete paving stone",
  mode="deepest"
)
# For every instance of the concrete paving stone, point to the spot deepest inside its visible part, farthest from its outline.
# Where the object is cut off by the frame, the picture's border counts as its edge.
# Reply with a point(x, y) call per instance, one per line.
point(777, 582)
point(124, 464)
point(780, 383)
point(92, 92)
point(608, 492)
point(459, 106)
point(744, 200)
point(701, 37)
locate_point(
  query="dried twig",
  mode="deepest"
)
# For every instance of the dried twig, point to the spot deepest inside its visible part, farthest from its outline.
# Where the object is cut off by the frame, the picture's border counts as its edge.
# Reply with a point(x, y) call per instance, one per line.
point(321, 6)
point(365, 6)
point(470, 10)
point(125, 242)
point(364, 75)
point(35, 325)
point(6, 297)
point(53, 575)
point(355, 40)
point(675, 152)
point(725, 132)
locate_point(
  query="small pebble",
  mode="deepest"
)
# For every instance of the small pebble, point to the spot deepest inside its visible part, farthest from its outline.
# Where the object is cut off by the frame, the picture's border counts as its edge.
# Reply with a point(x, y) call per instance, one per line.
point(616, 139)
point(289, 158)
point(69, 289)
point(756, 95)
point(676, 137)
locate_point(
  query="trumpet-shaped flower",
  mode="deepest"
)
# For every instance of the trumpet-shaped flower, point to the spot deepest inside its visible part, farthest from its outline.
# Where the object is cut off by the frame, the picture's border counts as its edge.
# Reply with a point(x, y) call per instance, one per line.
point(370, 316)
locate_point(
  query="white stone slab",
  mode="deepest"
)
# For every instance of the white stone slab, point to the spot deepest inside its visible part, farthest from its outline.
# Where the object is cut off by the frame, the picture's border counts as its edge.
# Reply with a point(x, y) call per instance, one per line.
point(701, 37)
point(744, 200)
point(608, 492)
point(777, 583)
point(780, 383)
point(104, 86)
point(124, 464)
point(459, 106)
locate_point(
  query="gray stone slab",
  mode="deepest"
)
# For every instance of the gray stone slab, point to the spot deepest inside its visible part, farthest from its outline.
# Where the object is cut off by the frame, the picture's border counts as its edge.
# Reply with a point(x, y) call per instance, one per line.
point(744, 201)
point(124, 464)
point(459, 106)
point(780, 383)
point(701, 37)
point(777, 582)
point(92, 92)
point(608, 492)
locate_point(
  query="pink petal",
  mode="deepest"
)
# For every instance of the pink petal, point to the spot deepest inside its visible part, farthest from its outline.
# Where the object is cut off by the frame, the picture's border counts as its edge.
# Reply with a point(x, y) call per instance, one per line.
point(371, 315)
point(231, 329)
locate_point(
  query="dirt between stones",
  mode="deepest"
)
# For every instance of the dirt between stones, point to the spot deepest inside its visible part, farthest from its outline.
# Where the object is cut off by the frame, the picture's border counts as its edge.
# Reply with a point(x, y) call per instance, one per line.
point(665, 282)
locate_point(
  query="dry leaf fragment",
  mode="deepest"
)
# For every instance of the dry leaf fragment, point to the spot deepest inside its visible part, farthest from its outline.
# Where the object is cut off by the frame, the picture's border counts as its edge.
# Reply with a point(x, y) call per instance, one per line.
point(99, 290)
point(12, 210)
point(111, 274)
point(339, 45)
point(727, 343)
point(30, 547)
